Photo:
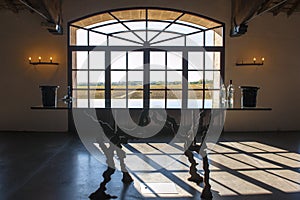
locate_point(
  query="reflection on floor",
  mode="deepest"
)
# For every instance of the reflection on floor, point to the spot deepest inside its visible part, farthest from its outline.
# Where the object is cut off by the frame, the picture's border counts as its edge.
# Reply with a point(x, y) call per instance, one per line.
point(242, 165)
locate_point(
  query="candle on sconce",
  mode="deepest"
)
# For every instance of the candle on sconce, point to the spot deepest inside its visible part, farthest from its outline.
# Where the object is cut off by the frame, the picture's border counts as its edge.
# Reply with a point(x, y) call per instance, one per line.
point(254, 59)
point(40, 62)
point(262, 60)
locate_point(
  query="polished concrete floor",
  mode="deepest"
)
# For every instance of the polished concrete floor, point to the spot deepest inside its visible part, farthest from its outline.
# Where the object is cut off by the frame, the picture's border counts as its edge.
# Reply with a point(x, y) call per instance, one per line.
point(57, 166)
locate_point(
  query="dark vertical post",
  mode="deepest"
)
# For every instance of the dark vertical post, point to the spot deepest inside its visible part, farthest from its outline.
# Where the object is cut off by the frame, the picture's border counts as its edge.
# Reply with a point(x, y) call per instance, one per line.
point(185, 79)
point(107, 79)
point(71, 126)
point(146, 77)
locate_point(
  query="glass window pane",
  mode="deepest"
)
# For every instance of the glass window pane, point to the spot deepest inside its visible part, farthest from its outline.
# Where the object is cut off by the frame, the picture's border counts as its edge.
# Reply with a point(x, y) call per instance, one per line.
point(195, 79)
point(128, 37)
point(174, 60)
point(212, 80)
point(118, 79)
point(212, 99)
point(212, 60)
point(79, 60)
point(195, 39)
point(118, 98)
point(135, 79)
point(181, 29)
point(195, 99)
point(118, 60)
point(97, 60)
point(81, 37)
point(157, 80)
point(151, 34)
point(174, 42)
point(157, 99)
point(135, 98)
point(157, 60)
point(80, 98)
point(142, 34)
point(80, 79)
point(97, 79)
point(174, 99)
point(195, 60)
point(111, 28)
point(97, 39)
point(141, 25)
point(113, 41)
point(135, 60)
point(97, 99)
point(209, 38)
point(208, 102)
point(174, 79)
point(157, 25)
point(164, 36)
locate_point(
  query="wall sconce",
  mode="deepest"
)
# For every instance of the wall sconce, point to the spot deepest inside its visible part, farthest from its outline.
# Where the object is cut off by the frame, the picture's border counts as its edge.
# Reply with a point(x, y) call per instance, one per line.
point(253, 63)
point(42, 63)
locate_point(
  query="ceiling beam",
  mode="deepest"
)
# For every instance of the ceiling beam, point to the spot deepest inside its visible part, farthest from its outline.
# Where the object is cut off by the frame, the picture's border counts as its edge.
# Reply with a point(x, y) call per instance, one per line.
point(266, 5)
point(12, 6)
point(279, 7)
point(35, 10)
point(293, 8)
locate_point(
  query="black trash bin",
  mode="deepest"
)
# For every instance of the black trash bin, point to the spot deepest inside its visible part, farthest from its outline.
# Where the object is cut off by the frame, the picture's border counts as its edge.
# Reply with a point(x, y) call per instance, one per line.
point(248, 96)
point(49, 95)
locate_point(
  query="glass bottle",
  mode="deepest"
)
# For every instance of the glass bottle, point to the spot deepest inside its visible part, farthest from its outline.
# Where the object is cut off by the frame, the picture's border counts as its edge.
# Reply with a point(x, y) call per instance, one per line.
point(230, 94)
point(223, 95)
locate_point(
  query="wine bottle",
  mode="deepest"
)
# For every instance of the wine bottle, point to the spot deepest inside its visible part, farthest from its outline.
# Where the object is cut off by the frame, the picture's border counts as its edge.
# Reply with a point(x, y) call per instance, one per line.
point(230, 94)
point(223, 95)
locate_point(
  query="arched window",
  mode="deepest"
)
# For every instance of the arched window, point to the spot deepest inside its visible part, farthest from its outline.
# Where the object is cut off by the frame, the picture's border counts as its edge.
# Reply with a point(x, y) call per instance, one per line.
point(146, 58)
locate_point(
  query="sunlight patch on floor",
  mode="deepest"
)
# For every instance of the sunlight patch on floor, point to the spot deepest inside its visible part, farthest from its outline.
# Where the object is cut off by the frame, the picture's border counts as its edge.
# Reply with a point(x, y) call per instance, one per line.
point(237, 184)
point(229, 162)
point(255, 162)
point(273, 181)
point(264, 147)
point(237, 168)
point(242, 147)
point(280, 159)
point(294, 156)
point(142, 180)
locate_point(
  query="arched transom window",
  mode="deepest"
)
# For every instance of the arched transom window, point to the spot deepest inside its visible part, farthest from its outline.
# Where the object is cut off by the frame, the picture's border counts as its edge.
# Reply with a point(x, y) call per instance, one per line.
point(146, 58)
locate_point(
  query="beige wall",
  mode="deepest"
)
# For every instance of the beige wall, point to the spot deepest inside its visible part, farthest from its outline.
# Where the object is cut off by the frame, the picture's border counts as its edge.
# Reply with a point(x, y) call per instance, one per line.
point(275, 38)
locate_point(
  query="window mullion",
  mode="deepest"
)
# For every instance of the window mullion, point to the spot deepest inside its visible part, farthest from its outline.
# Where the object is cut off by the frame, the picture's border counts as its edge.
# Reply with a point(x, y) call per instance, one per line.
point(185, 79)
point(88, 81)
point(126, 93)
point(146, 94)
point(166, 79)
point(204, 82)
point(107, 79)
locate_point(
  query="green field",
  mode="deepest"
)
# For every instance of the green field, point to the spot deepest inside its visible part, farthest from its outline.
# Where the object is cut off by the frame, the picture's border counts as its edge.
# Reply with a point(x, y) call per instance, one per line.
point(136, 91)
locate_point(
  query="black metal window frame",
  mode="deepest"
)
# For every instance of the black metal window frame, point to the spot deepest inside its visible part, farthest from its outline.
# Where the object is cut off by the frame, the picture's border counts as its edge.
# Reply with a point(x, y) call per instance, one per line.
point(146, 47)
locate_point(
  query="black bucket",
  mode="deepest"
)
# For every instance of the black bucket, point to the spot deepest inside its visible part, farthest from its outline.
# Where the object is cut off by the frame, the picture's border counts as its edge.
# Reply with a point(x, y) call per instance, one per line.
point(249, 94)
point(49, 95)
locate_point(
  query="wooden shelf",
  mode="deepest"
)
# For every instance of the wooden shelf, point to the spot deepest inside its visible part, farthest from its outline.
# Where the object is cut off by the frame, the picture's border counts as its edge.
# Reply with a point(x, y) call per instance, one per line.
point(254, 63)
point(43, 63)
